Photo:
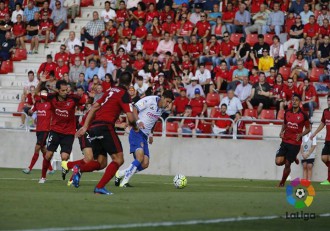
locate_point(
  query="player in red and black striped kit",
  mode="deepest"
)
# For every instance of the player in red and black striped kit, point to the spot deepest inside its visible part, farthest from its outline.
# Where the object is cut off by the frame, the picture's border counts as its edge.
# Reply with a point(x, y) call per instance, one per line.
point(325, 122)
point(44, 115)
point(63, 124)
point(291, 133)
point(100, 123)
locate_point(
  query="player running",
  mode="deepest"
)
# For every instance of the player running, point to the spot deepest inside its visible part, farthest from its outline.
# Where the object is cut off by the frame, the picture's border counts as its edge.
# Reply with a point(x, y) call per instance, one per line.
point(63, 124)
point(101, 124)
point(291, 133)
point(147, 110)
point(44, 115)
point(325, 122)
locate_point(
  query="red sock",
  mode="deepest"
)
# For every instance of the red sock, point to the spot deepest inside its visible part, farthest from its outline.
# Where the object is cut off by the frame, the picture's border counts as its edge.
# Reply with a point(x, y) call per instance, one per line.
point(45, 166)
point(71, 164)
point(34, 160)
point(90, 166)
point(50, 168)
point(286, 173)
point(109, 173)
point(328, 164)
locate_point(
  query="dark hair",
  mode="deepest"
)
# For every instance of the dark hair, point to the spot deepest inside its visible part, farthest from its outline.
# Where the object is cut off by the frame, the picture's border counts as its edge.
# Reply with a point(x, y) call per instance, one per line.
point(261, 36)
point(168, 94)
point(59, 83)
point(110, 76)
point(168, 53)
point(106, 2)
point(125, 78)
point(30, 72)
point(143, 6)
point(80, 87)
point(49, 57)
point(223, 105)
point(189, 107)
point(52, 73)
point(307, 79)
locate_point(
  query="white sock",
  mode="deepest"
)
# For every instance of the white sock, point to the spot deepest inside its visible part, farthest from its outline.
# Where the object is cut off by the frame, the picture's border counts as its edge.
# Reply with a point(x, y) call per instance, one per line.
point(129, 173)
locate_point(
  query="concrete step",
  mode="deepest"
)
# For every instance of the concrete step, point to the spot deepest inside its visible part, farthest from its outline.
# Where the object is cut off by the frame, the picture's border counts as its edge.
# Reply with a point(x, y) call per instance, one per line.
point(8, 106)
point(9, 121)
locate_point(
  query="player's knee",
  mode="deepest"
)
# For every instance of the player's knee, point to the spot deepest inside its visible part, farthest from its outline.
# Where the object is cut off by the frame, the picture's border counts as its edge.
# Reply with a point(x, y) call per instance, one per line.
point(279, 162)
point(145, 165)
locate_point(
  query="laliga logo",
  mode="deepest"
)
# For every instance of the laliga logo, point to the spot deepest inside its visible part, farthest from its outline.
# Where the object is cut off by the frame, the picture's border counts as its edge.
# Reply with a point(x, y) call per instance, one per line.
point(300, 193)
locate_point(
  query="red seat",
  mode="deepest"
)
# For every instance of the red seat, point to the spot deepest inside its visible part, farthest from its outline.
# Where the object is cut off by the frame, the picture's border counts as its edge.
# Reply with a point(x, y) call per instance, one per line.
point(255, 132)
point(251, 39)
point(267, 115)
point(84, 3)
point(269, 38)
point(293, 57)
point(206, 128)
point(280, 115)
point(6, 67)
point(212, 99)
point(158, 129)
point(251, 113)
point(172, 127)
point(255, 8)
point(285, 72)
point(20, 54)
point(315, 74)
point(209, 66)
point(235, 38)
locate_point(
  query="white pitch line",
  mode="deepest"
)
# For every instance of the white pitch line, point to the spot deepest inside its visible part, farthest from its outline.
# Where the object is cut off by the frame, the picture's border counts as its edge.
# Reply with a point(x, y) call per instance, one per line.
point(163, 224)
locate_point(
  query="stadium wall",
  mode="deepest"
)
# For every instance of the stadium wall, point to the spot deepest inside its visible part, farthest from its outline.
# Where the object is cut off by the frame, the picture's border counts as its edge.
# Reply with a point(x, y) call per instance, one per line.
point(192, 157)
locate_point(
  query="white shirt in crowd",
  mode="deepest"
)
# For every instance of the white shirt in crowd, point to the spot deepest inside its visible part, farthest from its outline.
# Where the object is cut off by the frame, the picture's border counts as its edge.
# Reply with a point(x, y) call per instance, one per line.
point(14, 15)
point(202, 77)
point(233, 105)
point(107, 15)
point(141, 89)
point(243, 92)
point(28, 83)
point(71, 43)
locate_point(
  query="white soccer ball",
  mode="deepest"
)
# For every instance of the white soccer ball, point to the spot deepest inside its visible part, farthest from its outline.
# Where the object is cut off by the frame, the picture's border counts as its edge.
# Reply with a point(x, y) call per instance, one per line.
point(300, 193)
point(180, 181)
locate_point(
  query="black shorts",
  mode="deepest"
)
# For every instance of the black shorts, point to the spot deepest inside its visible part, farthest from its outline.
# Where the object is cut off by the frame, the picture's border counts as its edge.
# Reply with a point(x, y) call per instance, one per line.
point(105, 140)
point(55, 139)
point(308, 161)
point(42, 138)
point(265, 102)
point(85, 141)
point(289, 151)
point(326, 148)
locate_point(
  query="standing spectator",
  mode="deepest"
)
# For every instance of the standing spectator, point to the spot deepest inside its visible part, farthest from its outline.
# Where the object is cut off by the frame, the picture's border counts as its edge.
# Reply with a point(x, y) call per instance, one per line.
point(275, 21)
point(296, 34)
point(307, 151)
point(260, 95)
point(221, 126)
point(72, 41)
point(227, 51)
point(260, 20)
point(76, 70)
point(323, 53)
point(243, 91)
point(108, 13)
point(277, 52)
point(198, 104)
point(7, 46)
point(47, 67)
point(29, 12)
point(164, 46)
point(204, 78)
point(93, 31)
point(18, 10)
point(265, 62)
point(72, 7)
point(305, 14)
point(59, 17)
point(192, 87)
point(260, 46)
point(91, 70)
point(242, 19)
point(46, 29)
point(309, 97)
point(233, 104)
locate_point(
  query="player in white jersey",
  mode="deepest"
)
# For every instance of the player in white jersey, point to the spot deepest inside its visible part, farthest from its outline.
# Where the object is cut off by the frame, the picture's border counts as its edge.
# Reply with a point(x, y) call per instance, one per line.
point(307, 152)
point(147, 110)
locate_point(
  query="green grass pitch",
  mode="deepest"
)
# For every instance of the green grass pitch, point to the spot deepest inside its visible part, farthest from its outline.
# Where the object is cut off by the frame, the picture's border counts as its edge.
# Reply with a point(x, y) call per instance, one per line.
point(25, 204)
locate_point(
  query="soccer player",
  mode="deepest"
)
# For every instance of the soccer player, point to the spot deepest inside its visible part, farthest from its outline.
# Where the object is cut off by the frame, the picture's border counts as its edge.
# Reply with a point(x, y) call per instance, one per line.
point(147, 110)
point(291, 133)
point(63, 124)
point(325, 122)
point(44, 116)
point(101, 124)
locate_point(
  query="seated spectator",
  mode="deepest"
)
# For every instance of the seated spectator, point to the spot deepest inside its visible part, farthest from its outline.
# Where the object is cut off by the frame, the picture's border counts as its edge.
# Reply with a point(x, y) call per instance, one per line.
point(133, 47)
point(105, 68)
point(243, 91)
point(195, 16)
point(222, 76)
point(51, 82)
point(108, 13)
point(180, 49)
point(198, 104)
point(275, 21)
point(149, 47)
point(191, 88)
point(309, 51)
point(72, 41)
point(265, 62)
point(260, 20)
point(32, 33)
point(47, 67)
point(5, 26)
point(204, 78)
point(213, 14)
point(228, 17)
point(177, 85)
point(188, 126)
point(277, 93)
point(82, 82)
point(242, 19)
point(277, 52)
point(164, 46)
point(211, 52)
point(156, 29)
point(227, 51)
point(296, 34)
point(218, 29)
point(180, 103)
point(326, 75)
point(297, 6)
point(107, 82)
point(46, 29)
point(59, 17)
point(133, 93)
point(323, 53)
point(324, 31)
point(288, 91)
point(241, 129)
point(45, 9)
point(238, 75)
point(169, 26)
point(18, 11)
point(260, 46)
point(325, 14)
point(140, 86)
point(184, 28)
point(202, 28)
point(19, 32)
point(305, 14)
point(243, 50)
point(62, 55)
point(91, 71)
point(254, 77)
point(260, 95)
point(311, 30)
point(61, 69)
point(95, 81)
point(146, 72)
point(122, 13)
point(309, 97)
point(220, 127)
point(139, 63)
point(98, 93)
point(72, 8)
point(30, 11)
point(7, 46)
point(165, 12)
point(28, 103)
point(3, 10)
point(233, 104)
point(93, 31)
point(31, 81)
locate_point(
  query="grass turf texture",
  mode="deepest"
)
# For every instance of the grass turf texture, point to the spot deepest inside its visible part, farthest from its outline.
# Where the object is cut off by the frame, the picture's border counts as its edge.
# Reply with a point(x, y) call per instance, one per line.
point(25, 204)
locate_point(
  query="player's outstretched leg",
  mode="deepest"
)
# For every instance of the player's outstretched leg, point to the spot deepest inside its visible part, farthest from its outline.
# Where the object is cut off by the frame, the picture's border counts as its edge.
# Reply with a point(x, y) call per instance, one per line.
point(326, 161)
point(129, 172)
point(286, 173)
point(45, 166)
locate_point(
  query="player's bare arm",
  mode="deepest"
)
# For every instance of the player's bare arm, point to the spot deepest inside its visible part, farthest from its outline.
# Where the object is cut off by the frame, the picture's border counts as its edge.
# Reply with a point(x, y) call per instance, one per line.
point(320, 127)
point(89, 118)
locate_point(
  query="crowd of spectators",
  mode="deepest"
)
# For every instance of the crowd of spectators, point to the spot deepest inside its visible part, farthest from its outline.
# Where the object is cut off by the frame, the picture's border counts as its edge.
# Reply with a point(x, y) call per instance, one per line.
point(186, 46)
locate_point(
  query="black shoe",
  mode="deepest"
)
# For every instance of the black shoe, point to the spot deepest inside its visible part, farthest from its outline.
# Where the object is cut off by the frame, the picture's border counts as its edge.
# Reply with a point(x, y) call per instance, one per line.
point(117, 181)
point(127, 185)
point(72, 20)
point(64, 172)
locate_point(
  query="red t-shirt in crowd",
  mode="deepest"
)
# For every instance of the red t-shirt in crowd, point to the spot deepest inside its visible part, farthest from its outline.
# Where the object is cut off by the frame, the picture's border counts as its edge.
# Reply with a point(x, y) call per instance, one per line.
point(141, 32)
point(169, 27)
point(195, 49)
point(221, 123)
point(311, 30)
point(226, 48)
point(287, 92)
point(202, 27)
point(121, 15)
point(186, 28)
point(64, 56)
point(47, 67)
point(45, 25)
point(19, 29)
point(197, 105)
point(150, 46)
point(180, 104)
point(60, 71)
point(310, 92)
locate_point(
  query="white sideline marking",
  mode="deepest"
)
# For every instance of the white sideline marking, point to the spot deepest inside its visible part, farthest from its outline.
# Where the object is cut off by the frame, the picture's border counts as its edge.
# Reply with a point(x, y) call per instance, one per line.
point(163, 224)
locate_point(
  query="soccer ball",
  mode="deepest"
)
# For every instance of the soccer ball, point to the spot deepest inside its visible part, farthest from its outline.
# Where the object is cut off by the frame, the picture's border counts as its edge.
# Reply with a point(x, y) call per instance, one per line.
point(300, 193)
point(180, 181)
